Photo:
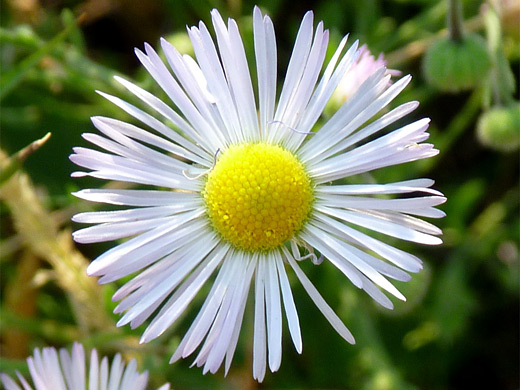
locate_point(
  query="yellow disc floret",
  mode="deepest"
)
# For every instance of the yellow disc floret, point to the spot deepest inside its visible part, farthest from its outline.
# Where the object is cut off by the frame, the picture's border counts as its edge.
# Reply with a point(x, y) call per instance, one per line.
point(258, 196)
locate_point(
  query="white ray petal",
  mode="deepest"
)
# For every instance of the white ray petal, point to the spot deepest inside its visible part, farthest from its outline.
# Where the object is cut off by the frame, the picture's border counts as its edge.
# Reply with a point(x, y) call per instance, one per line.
point(405, 135)
point(266, 64)
point(114, 231)
point(133, 290)
point(337, 127)
point(131, 378)
point(348, 269)
point(158, 105)
point(402, 259)
point(340, 253)
point(78, 367)
point(202, 323)
point(93, 376)
point(112, 167)
point(402, 187)
point(65, 363)
point(9, 383)
point(377, 104)
point(137, 198)
point(126, 146)
point(224, 334)
point(405, 220)
point(273, 315)
point(381, 267)
point(192, 256)
point(384, 157)
point(377, 125)
point(45, 369)
point(306, 85)
point(377, 264)
point(235, 64)
point(396, 147)
point(259, 336)
point(24, 383)
point(135, 214)
point(103, 374)
point(407, 205)
point(213, 350)
point(376, 294)
point(211, 67)
point(236, 329)
point(132, 150)
point(117, 129)
point(116, 371)
point(157, 250)
point(139, 244)
point(160, 127)
point(297, 62)
point(318, 300)
point(387, 227)
point(213, 137)
point(288, 303)
point(184, 295)
point(326, 87)
point(193, 81)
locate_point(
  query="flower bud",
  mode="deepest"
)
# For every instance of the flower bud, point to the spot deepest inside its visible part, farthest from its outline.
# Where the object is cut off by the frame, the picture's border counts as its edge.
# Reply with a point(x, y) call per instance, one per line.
point(499, 128)
point(453, 66)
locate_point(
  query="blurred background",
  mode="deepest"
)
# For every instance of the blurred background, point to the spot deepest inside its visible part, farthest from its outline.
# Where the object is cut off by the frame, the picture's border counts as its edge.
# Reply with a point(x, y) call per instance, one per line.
point(459, 328)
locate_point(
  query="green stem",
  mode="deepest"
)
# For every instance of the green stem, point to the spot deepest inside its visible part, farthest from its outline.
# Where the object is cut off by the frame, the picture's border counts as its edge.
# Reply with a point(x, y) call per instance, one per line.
point(14, 163)
point(455, 23)
point(502, 83)
point(12, 78)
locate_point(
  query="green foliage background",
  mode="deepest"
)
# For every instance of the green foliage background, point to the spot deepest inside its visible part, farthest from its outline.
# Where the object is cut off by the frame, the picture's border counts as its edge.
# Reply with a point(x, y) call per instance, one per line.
point(459, 327)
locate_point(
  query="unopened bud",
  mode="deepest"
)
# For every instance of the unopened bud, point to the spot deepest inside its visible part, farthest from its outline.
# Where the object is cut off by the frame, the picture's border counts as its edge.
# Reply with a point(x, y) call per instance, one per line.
point(453, 66)
point(499, 128)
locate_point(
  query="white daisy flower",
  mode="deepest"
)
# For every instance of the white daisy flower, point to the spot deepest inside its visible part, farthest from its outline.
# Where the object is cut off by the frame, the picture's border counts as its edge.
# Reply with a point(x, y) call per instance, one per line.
point(60, 370)
point(250, 186)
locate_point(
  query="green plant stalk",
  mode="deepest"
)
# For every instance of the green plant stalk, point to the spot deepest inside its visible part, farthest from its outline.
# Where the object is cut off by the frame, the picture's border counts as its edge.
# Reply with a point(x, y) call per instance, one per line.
point(9, 166)
point(71, 55)
point(13, 77)
point(417, 48)
point(502, 81)
point(40, 233)
point(25, 38)
point(76, 37)
point(455, 20)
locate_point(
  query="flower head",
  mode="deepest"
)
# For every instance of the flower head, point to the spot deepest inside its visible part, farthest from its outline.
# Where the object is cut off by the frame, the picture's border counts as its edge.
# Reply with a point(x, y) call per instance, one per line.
point(60, 370)
point(250, 185)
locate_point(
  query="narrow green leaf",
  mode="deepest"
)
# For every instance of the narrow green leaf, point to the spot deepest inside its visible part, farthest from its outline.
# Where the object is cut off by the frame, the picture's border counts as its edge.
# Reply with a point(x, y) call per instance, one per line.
point(13, 163)
point(13, 77)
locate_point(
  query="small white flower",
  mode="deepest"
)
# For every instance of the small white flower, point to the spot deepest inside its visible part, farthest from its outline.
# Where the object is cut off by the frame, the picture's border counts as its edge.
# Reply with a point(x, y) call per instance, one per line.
point(249, 186)
point(60, 370)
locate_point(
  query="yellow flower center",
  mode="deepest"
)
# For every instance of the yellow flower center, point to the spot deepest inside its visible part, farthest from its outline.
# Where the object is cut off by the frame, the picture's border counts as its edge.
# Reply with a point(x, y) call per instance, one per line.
point(258, 196)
